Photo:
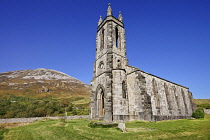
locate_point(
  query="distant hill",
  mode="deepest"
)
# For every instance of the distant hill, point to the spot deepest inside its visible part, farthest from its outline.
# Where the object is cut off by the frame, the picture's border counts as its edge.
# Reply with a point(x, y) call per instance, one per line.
point(42, 92)
point(41, 83)
point(201, 101)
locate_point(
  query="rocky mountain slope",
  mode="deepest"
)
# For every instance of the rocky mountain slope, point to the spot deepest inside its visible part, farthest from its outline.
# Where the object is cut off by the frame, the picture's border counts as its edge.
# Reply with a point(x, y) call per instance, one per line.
point(41, 83)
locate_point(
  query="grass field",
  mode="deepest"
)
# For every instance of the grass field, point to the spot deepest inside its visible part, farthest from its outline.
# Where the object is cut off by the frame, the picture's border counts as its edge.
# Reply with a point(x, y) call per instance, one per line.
point(81, 130)
point(201, 101)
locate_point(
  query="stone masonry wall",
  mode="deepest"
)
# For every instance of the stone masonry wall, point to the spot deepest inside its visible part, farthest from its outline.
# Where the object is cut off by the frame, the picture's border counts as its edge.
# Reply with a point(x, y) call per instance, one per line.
point(120, 104)
point(174, 99)
point(139, 100)
point(166, 99)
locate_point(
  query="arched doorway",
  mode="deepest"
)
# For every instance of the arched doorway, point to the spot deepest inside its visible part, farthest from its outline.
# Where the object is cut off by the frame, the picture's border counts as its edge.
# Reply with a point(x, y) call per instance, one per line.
point(100, 102)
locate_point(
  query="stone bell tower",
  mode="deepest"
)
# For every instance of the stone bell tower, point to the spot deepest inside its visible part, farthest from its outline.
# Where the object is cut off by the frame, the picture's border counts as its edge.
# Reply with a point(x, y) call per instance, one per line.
point(109, 99)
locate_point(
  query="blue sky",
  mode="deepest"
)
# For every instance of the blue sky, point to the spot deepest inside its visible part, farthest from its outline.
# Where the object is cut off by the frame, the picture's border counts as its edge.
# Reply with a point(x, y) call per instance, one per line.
point(167, 38)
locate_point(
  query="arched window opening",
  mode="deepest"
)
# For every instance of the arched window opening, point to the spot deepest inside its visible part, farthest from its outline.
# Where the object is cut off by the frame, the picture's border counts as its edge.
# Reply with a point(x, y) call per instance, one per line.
point(124, 89)
point(101, 65)
point(118, 64)
point(155, 92)
point(101, 108)
point(100, 101)
point(102, 40)
point(116, 36)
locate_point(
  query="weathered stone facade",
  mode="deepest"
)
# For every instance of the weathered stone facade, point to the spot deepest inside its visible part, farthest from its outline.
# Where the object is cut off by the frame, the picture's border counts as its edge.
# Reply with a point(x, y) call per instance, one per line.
point(122, 92)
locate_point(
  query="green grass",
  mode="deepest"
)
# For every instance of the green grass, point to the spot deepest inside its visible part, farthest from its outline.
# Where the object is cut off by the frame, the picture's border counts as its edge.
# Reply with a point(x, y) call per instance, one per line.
point(80, 130)
point(24, 107)
point(85, 100)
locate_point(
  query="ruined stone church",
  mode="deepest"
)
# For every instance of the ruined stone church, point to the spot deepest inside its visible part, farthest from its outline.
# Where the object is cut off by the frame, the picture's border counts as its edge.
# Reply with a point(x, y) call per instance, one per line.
point(120, 92)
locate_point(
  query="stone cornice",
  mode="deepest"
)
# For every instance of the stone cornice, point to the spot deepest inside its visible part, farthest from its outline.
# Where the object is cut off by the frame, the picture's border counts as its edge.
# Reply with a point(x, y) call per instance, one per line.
point(110, 18)
point(108, 52)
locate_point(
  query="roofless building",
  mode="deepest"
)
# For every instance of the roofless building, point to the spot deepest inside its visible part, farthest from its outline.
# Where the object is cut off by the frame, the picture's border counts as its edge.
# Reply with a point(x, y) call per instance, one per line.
point(123, 92)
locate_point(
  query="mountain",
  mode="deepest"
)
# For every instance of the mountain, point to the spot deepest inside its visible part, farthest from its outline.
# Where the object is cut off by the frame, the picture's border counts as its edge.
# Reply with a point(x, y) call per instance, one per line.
point(41, 83)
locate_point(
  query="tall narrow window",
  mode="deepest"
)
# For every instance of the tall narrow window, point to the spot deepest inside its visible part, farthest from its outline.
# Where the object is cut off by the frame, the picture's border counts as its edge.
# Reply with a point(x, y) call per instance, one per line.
point(155, 92)
point(116, 36)
point(102, 39)
point(123, 89)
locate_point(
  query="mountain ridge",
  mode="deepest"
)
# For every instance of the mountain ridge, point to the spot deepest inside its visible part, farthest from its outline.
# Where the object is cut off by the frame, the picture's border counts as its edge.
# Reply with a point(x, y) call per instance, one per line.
point(41, 80)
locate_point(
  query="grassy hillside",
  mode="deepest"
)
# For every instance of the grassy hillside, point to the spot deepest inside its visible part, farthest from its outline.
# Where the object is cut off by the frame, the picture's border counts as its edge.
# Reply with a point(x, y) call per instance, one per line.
point(81, 130)
point(41, 92)
point(202, 103)
point(54, 89)
point(41, 83)
point(23, 107)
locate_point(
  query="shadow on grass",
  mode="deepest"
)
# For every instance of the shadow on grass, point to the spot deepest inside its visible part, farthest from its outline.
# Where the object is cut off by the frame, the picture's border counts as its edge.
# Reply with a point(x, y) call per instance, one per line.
point(71, 122)
point(102, 125)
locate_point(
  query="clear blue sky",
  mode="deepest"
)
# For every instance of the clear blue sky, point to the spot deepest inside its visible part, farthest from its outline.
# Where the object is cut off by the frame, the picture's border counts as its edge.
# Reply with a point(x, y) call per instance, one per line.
point(167, 38)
